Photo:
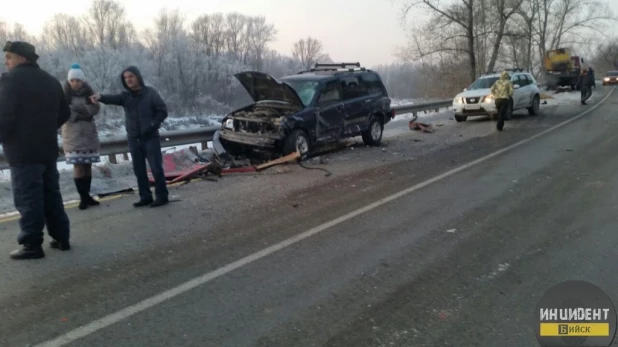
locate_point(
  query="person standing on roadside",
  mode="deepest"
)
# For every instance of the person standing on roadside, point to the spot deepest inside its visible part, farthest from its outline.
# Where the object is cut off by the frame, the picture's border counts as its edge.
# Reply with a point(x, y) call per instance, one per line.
point(32, 109)
point(586, 80)
point(80, 139)
point(502, 90)
point(144, 112)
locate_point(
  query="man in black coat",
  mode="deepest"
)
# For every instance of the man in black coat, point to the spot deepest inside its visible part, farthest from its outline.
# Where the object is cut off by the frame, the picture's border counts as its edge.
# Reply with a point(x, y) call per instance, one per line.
point(32, 108)
point(144, 112)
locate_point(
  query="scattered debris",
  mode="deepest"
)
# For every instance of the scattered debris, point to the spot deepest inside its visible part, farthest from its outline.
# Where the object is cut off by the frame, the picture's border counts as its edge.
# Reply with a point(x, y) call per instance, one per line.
point(424, 127)
point(451, 230)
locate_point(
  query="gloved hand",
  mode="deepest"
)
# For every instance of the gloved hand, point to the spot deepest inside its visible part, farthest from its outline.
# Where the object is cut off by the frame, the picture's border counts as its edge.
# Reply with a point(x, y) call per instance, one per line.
point(151, 131)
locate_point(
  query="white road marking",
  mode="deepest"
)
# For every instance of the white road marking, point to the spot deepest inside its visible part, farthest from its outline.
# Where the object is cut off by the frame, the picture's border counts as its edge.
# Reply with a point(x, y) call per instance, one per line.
point(127, 312)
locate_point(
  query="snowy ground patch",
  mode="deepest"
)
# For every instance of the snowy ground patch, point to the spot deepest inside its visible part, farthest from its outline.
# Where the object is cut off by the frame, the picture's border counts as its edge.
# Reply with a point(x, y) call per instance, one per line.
point(563, 98)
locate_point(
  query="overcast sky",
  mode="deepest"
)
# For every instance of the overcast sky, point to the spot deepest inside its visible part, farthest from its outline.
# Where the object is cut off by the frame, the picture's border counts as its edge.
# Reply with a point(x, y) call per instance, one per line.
point(351, 30)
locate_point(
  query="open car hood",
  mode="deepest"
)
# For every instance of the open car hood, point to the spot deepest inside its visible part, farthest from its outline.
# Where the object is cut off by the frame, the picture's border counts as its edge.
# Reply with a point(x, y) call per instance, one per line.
point(265, 87)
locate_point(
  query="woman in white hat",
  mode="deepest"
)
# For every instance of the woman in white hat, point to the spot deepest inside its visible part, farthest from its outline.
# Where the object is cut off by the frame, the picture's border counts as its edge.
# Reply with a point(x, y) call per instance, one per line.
point(80, 139)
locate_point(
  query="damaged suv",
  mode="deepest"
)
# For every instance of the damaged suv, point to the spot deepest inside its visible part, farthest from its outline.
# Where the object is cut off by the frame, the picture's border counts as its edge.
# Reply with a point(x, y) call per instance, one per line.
point(324, 104)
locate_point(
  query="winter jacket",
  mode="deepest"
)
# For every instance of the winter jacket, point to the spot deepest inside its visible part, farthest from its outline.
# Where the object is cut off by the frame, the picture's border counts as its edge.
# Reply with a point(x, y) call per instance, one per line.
point(80, 134)
point(586, 79)
point(503, 88)
point(32, 108)
point(144, 109)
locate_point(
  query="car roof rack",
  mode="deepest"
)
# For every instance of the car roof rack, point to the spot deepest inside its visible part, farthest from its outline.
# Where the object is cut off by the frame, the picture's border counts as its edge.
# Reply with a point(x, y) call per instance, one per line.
point(335, 67)
point(516, 69)
point(338, 65)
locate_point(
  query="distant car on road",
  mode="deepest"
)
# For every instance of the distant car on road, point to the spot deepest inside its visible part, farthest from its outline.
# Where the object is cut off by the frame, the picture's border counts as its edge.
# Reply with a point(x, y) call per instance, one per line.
point(477, 100)
point(610, 78)
point(324, 104)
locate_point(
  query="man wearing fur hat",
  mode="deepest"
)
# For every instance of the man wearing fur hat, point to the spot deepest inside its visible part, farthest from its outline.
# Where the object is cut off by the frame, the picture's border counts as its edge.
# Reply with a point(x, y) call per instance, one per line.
point(32, 108)
point(80, 139)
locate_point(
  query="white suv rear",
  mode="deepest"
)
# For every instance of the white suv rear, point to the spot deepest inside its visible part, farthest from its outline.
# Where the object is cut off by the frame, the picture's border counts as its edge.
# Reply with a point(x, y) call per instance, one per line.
point(477, 100)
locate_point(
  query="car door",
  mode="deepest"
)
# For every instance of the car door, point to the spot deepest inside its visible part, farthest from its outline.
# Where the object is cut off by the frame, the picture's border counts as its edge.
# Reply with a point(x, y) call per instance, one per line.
point(518, 91)
point(530, 89)
point(354, 98)
point(330, 113)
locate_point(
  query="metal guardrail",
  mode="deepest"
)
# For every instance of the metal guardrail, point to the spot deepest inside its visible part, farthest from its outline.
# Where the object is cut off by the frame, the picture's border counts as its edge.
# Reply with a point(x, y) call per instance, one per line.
point(111, 146)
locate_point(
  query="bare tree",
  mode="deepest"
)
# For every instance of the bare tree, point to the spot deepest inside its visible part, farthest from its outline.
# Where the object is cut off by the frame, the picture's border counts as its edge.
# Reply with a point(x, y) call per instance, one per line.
point(107, 25)
point(608, 55)
point(307, 51)
point(460, 14)
point(504, 9)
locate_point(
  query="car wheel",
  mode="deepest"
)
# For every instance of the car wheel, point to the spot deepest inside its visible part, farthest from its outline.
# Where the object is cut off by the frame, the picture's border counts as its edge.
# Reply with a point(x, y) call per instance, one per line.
point(373, 135)
point(296, 141)
point(536, 106)
point(461, 118)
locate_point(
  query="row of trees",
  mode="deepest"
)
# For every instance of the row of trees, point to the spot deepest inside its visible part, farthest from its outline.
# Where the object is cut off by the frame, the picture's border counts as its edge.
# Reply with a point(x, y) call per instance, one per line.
point(191, 63)
point(468, 37)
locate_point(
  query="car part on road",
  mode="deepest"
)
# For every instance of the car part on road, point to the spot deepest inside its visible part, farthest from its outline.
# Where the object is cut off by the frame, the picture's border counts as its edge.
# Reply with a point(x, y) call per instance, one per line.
point(424, 127)
point(328, 173)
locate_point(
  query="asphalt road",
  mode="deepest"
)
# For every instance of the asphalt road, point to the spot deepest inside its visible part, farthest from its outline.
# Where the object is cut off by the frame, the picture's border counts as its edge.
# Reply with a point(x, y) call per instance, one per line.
point(458, 262)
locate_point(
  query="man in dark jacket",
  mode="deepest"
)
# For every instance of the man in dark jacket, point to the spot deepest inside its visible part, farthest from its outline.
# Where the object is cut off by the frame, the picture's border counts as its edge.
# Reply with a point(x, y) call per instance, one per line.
point(587, 82)
point(144, 112)
point(32, 108)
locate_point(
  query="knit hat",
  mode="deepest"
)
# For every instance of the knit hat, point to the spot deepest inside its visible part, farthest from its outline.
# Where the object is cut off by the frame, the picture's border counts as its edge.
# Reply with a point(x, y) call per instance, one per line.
point(76, 73)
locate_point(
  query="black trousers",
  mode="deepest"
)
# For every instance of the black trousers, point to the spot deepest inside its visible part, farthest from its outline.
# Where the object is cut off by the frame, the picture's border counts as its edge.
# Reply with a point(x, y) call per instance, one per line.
point(586, 92)
point(502, 105)
point(148, 150)
point(37, 198)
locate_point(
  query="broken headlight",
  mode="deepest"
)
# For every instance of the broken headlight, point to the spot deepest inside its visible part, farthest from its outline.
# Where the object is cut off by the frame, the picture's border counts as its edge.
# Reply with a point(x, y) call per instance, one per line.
point(229, 123)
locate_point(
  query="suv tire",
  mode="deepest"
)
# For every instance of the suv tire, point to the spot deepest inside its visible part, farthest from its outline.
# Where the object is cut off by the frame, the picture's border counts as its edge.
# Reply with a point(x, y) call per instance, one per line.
point(297, 140)
point(373, 135)
point(536, 106)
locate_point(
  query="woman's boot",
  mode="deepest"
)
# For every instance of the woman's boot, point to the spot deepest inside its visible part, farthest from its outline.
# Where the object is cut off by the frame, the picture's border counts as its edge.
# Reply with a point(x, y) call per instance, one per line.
point(83, 188)
point(91, 201)
point(80, 184)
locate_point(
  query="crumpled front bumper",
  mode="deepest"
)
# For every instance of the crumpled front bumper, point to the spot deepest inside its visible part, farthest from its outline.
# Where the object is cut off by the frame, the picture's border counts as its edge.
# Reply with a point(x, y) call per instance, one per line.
point(249, 139)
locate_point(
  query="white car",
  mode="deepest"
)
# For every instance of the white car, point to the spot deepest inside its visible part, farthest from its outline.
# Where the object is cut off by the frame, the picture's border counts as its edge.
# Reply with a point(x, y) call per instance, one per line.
point(477, 100)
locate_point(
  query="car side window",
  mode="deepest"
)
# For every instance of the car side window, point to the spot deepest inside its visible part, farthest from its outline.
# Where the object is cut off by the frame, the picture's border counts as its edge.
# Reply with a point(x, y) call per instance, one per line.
point(330, 94)
point(352, 88)
point(371, 83)
point(531, 79)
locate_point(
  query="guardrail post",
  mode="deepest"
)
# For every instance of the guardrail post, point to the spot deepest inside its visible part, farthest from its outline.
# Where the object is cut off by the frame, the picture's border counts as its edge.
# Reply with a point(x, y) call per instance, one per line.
point(204, 145)
point(125, 156)
point(112, 159)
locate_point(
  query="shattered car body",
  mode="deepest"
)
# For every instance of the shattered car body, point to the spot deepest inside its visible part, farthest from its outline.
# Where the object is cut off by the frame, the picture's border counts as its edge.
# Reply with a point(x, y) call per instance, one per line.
point(307, 109)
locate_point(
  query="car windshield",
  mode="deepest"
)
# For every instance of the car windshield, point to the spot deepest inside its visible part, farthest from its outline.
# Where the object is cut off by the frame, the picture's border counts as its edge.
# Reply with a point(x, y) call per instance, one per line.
point(483, 83)
point(304, 88)
point(612, 73)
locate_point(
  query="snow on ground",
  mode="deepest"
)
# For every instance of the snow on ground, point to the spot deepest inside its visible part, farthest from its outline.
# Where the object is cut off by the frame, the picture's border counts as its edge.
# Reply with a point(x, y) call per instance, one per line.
point(563, 97)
